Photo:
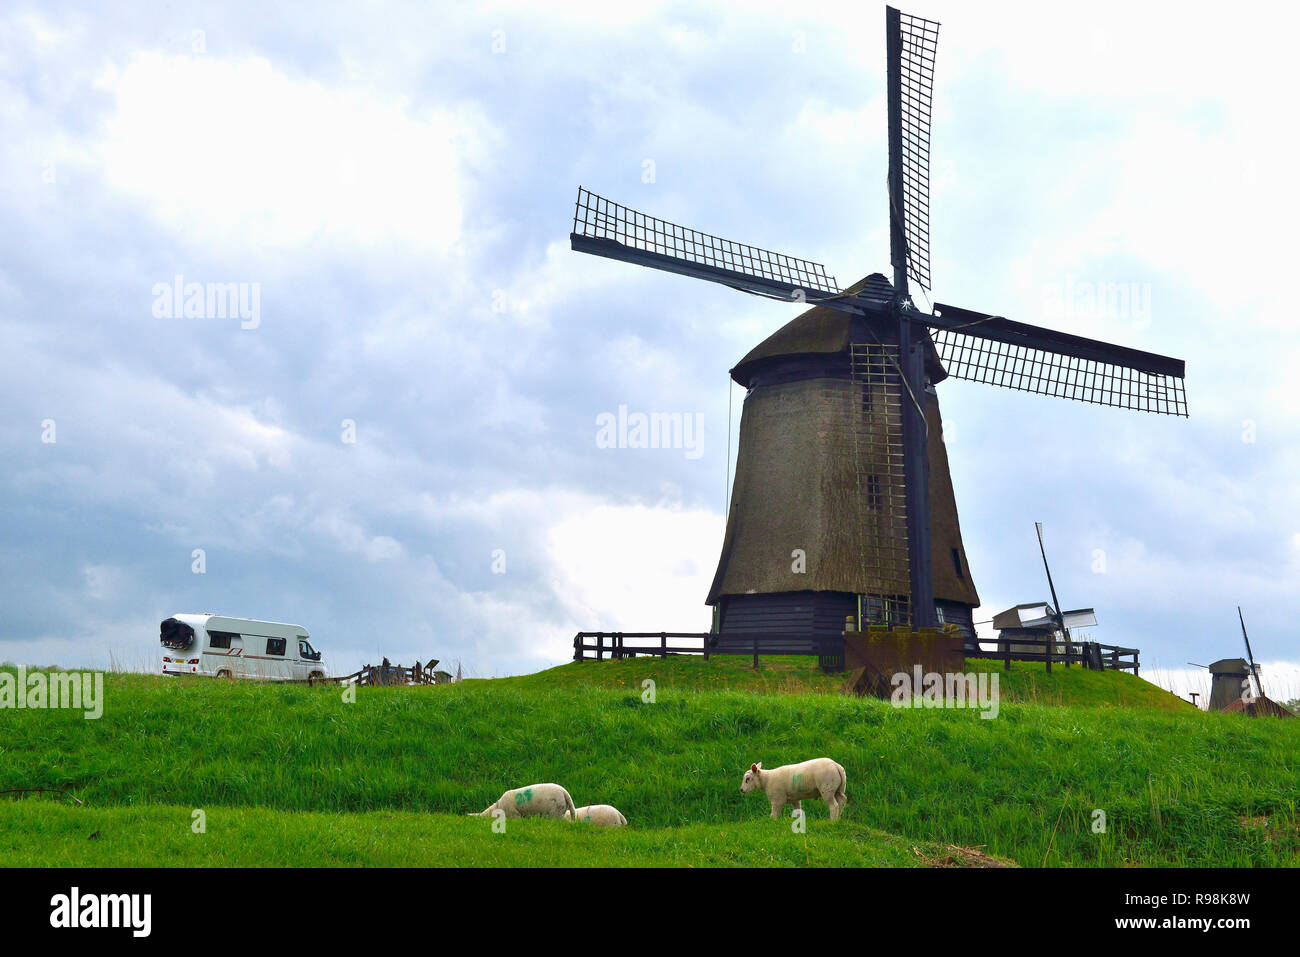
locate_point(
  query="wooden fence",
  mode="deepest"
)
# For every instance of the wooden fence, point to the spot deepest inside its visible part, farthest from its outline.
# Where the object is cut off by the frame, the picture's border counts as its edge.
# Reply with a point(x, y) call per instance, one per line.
point(616, 644)
point(385, 674)
point(1088, 654)
point(830, 655)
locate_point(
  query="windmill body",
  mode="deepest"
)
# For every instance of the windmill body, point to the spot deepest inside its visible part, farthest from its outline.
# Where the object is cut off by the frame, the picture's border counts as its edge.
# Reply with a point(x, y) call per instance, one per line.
point(1228, 682)
point(816, 530)
point(841, 453)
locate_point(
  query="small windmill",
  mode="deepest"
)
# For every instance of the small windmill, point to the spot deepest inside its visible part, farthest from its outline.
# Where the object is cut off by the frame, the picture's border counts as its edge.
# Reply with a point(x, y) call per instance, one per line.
point(891, 353)
point(1230, 683)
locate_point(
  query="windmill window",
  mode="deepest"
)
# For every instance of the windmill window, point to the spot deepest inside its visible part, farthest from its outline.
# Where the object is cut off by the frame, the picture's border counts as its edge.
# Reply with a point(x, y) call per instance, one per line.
point(873, 491)
point(956, 563)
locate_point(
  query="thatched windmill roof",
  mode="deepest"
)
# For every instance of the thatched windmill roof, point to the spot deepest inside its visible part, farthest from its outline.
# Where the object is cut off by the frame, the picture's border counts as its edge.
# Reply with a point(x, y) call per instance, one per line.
point(822, 331)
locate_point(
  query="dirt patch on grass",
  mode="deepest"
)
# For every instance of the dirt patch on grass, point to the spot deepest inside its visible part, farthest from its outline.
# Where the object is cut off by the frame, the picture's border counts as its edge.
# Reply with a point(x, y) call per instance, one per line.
point(1270, 827)
point(954, 856)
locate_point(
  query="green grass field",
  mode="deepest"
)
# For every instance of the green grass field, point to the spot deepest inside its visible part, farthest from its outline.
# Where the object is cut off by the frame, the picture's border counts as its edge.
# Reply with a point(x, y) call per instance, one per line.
point(297, 776)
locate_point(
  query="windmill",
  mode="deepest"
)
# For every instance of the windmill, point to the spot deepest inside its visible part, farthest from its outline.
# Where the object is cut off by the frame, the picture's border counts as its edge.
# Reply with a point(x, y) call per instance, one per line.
point(1230, 683)
point(877, 366)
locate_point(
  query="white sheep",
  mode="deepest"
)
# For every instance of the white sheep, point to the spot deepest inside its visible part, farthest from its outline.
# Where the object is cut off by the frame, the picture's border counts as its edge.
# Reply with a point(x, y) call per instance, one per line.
point(792, 783)
point(536, 800)
point(601, 815)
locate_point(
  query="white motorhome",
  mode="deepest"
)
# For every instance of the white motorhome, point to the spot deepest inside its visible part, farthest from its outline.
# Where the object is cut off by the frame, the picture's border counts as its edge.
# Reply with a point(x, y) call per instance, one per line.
point(218, 647)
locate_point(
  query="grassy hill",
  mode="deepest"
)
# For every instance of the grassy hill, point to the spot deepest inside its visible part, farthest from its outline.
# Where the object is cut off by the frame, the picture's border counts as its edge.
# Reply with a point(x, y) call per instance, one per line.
point(793, 674)
point(389, 778)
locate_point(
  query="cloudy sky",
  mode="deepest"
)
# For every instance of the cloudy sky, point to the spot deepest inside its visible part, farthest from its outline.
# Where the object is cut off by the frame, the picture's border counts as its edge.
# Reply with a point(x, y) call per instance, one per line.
point(396, 443)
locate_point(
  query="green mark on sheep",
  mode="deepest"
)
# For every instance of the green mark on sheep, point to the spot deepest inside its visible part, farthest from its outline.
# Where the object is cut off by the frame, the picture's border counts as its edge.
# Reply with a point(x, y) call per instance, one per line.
point(523, 797)
point(796, 781)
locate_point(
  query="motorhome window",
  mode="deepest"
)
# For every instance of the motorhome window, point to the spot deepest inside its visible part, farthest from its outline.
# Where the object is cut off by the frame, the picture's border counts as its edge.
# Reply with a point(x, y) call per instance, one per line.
point(275, 646)
point(176, 634)
point(304, 648)
point(220, 639)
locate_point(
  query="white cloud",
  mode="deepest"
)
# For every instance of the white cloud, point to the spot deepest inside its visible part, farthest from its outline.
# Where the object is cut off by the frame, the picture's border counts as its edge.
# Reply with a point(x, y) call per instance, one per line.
point(240, 152)
point(350, 536)
point(635, 567)
point(103, 581)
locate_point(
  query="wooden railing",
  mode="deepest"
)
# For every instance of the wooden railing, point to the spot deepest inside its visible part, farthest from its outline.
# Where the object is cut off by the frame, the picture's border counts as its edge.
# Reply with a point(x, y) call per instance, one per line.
point(830, 650)
point(629, 644)
point(1088, 654)
point(416, 674)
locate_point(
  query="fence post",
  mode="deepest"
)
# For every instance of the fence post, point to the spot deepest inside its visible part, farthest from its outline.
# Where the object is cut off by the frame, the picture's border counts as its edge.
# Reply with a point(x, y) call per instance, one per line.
point(600, 646)
point(1051, 645)
point(706, 647)
point(1006, 649)
point(755, 640)
point(577, 647)
point(1135, 662)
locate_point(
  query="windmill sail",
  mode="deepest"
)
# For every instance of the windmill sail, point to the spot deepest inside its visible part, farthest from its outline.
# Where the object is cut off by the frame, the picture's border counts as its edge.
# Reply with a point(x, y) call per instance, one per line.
point(1254, 668)
point(996, 351)
point(606, 228)
point(910, 43)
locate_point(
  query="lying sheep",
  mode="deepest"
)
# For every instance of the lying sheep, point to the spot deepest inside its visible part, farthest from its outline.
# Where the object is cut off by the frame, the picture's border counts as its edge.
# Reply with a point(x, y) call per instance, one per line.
point(536, 800)
point(601, 815)
point(792, 783)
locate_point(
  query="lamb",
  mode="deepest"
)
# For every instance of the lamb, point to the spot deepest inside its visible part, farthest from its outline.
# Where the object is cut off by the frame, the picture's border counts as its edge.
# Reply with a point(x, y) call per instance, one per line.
point(601, 815)
point(536, 800)
point(792, 783)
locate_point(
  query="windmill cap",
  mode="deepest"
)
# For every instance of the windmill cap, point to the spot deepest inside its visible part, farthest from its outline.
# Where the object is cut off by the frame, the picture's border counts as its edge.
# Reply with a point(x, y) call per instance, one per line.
point(822, 330)
point(1230, 666)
